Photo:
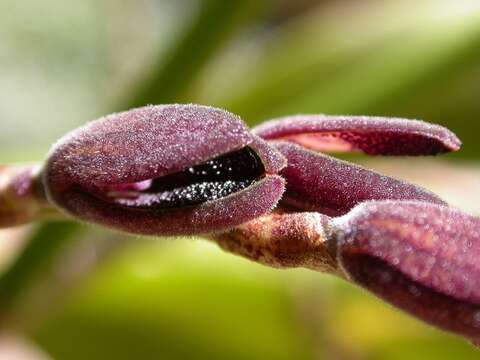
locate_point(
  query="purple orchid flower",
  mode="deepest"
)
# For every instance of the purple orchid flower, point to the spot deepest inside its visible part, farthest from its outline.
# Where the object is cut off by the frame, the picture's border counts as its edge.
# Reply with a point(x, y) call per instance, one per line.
point(165, 170)
point(271, 196)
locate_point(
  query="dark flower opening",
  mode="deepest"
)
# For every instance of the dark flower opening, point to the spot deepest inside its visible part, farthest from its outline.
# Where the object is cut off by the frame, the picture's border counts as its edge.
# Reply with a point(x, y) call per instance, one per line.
point(212, 180)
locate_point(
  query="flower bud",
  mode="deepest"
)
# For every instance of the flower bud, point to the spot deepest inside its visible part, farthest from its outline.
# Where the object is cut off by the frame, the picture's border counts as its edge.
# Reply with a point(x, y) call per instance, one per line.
point(165, 170)
point(420, 257)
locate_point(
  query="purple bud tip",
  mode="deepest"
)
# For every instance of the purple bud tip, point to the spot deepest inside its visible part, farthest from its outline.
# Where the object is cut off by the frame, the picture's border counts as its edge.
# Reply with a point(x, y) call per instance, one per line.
point(165, 170)
point(371, 135)
point(420, 257)
point(21, 197)
point(317, 182)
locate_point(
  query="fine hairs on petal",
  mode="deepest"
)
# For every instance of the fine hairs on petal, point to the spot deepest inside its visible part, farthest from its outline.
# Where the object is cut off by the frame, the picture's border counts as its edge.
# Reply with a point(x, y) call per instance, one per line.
point(146, 142)
point(371, 135)
point(317, 182)
point(165, 170)
point(421, 257)
point(178, 169)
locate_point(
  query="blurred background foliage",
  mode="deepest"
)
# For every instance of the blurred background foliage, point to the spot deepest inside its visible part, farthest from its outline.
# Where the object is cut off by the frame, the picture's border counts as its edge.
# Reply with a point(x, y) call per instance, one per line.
point(76, 292)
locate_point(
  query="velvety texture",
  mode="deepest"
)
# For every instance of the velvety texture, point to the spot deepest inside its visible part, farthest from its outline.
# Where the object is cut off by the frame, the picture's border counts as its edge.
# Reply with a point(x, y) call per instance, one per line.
point(371, 135)
point(420, 257)
point(212, 216)
point(190, 169)
point(144, 143)
point(322, 183)
point(124, 153)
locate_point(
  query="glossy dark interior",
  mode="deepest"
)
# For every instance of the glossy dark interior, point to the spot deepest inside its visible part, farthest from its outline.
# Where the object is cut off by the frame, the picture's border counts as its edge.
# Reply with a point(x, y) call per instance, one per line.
point(214, 179)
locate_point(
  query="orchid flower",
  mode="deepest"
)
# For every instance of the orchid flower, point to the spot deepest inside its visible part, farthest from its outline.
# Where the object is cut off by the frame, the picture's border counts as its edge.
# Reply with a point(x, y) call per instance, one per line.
point(165, 170)
point(272, 196)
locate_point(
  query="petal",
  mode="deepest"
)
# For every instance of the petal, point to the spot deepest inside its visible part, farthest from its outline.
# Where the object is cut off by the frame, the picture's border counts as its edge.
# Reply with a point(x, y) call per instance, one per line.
point(272, 159)
point(145, 143)
point(420, 257)
point(371, 135)
point(235, 209)
point(322, 183)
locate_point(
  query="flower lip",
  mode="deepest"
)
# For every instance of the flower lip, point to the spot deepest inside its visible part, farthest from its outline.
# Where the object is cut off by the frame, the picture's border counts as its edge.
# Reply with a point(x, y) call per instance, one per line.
point(211, 216)
point(372, 135)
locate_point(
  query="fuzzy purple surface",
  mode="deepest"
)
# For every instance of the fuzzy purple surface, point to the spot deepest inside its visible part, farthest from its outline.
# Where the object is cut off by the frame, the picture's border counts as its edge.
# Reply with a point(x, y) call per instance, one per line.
point(144, 143)
point(212, 216)
point(127, 148)
point(322, 183)
point(437, 246)
point(273, 160)
point(421, 257)
point(435, 308)
point(372, 135)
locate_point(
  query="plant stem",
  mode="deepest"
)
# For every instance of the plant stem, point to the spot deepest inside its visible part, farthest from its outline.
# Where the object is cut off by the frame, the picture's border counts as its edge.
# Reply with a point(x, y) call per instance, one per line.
point(22, 197)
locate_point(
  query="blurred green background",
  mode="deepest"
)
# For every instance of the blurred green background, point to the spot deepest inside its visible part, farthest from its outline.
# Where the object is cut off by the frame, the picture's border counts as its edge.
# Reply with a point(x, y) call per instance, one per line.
point(76, 292)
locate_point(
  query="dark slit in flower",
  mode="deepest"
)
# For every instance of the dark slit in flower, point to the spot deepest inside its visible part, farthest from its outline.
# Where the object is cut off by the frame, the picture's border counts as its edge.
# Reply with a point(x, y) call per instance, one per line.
point(212, 180)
